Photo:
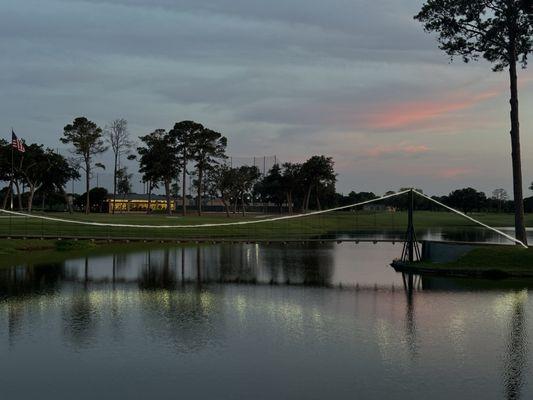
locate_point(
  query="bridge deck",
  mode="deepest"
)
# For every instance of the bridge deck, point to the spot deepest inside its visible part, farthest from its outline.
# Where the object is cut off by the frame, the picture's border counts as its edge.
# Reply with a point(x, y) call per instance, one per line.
point(199, 240)
point(128, 239)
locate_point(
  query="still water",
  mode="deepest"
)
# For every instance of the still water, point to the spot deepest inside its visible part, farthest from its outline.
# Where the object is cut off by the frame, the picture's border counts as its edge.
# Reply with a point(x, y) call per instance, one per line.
point(317, 321)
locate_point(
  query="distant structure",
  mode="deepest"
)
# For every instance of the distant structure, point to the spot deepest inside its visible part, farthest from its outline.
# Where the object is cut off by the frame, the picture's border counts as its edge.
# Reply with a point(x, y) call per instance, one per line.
point(139, 203)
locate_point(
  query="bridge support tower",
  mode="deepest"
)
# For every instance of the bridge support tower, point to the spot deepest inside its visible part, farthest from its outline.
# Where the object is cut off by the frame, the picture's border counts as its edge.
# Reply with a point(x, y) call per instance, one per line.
point(411, 251)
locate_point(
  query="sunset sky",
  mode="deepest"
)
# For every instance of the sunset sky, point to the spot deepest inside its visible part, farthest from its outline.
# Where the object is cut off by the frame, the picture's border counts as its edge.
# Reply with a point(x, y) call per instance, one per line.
point(357, 80)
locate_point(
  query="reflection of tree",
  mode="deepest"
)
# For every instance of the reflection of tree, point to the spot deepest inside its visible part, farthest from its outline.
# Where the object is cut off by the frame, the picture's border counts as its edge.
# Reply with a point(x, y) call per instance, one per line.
point(189, 317)
point(309, 264)
point(14, 320)
point(30, 280)
point(182, 266)
point(238, 263)
point(516, 358)
point(198, 265)
point(157, 273)
point(80, 319)
point(117, 320)
point(120, 263)
point(80, 314)
point(86, 272)
point(18, 283)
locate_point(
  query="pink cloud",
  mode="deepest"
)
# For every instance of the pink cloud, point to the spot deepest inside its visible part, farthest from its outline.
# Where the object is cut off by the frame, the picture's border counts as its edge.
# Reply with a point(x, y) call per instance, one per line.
point(401, 148)
point(454, 172)
point(409, 114)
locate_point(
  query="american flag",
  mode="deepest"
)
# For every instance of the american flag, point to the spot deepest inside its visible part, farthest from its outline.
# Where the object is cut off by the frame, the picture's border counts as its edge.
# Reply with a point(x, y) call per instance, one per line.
point(17, 143)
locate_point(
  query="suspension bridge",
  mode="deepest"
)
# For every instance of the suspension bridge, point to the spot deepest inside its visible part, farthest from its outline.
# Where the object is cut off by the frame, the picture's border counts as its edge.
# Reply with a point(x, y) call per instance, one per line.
point(350, 223)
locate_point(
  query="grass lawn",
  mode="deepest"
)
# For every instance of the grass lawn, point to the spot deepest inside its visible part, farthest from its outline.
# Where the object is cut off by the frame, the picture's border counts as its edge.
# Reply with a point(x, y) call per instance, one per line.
point(324, 224)
point(490, 261)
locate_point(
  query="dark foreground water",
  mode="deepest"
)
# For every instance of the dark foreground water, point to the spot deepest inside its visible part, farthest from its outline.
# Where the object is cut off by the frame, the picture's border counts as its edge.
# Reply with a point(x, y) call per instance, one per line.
point(330, 321)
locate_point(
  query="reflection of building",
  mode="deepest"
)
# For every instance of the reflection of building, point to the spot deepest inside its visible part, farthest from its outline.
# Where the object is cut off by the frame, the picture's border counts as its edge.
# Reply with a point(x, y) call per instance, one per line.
point(137, 202)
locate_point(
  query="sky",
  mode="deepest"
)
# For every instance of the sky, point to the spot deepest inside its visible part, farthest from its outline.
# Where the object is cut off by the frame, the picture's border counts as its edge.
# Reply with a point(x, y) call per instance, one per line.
point(356, 80)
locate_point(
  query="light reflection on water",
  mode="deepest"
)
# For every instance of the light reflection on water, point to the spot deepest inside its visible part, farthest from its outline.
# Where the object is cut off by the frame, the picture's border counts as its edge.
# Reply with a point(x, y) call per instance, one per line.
point(262, 321)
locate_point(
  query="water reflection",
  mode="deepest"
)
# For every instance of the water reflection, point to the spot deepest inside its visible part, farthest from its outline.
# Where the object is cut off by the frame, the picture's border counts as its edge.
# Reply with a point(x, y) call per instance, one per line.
point(411, 283)
point(80, 318)
point(515, 366)
point(310, 265)
point(19, 281)
point(214, 321)
point(186, 321)
point(157, 272)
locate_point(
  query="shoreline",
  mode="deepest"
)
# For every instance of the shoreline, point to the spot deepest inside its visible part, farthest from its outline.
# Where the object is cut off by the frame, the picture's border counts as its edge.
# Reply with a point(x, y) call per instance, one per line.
point(495, 262)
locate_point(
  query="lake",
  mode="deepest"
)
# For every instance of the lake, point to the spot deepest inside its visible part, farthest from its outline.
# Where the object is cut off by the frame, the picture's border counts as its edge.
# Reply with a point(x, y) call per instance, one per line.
point(259, 321)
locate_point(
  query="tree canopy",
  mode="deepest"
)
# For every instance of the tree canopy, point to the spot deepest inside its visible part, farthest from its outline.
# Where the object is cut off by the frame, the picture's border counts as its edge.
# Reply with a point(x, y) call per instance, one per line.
point(158, 161)
point(87, 141)
point(500, 31)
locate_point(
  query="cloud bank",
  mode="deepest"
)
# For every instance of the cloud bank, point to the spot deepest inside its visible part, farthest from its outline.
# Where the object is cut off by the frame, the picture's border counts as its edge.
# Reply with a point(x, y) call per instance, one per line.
point(357, 80)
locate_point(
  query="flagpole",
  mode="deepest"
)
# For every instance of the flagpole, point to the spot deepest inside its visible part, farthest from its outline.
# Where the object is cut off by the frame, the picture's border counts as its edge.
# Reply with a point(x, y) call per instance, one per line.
point(12, 179)
point(12, 173)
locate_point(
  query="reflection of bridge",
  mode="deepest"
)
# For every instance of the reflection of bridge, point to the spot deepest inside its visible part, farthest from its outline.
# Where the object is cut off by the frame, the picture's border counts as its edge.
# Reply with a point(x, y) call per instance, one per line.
point(318, 226)
point(515, 358)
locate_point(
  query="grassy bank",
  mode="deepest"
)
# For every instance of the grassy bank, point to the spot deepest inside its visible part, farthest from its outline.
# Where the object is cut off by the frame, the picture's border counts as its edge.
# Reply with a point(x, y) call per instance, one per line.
point(485, 261)
point(324, 224)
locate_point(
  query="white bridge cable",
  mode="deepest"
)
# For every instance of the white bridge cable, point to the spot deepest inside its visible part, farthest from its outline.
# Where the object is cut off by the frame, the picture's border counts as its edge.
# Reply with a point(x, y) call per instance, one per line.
point(472, 219)
point(210, 225)
point(253, 222)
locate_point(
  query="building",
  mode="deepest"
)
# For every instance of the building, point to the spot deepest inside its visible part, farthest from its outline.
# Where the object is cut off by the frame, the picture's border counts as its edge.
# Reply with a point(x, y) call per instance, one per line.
point(138, 203)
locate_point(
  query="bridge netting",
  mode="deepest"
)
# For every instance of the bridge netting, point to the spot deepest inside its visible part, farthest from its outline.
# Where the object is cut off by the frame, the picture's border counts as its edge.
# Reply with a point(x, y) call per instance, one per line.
point(383, 218)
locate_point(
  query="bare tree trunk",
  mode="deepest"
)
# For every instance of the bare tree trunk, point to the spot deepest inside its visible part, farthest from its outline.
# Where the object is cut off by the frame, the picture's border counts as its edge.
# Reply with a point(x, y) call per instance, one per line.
point(289, 202)
point(167, 194)
point(184, 189)
point(19, 196)
point(149, 209)
point(243, 205)
point(319, 207)
point(307, 196)
point(199, 199)
point(115, 182)
point(226, 207)
point(87, 187)
point(520, 230)
point(30, 198)
point(69, 203)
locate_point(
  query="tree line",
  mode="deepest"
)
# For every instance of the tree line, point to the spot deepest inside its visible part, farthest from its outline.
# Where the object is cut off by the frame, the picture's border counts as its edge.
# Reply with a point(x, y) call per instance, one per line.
point(299, 186)
point(164, 158)
point(467, 200)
